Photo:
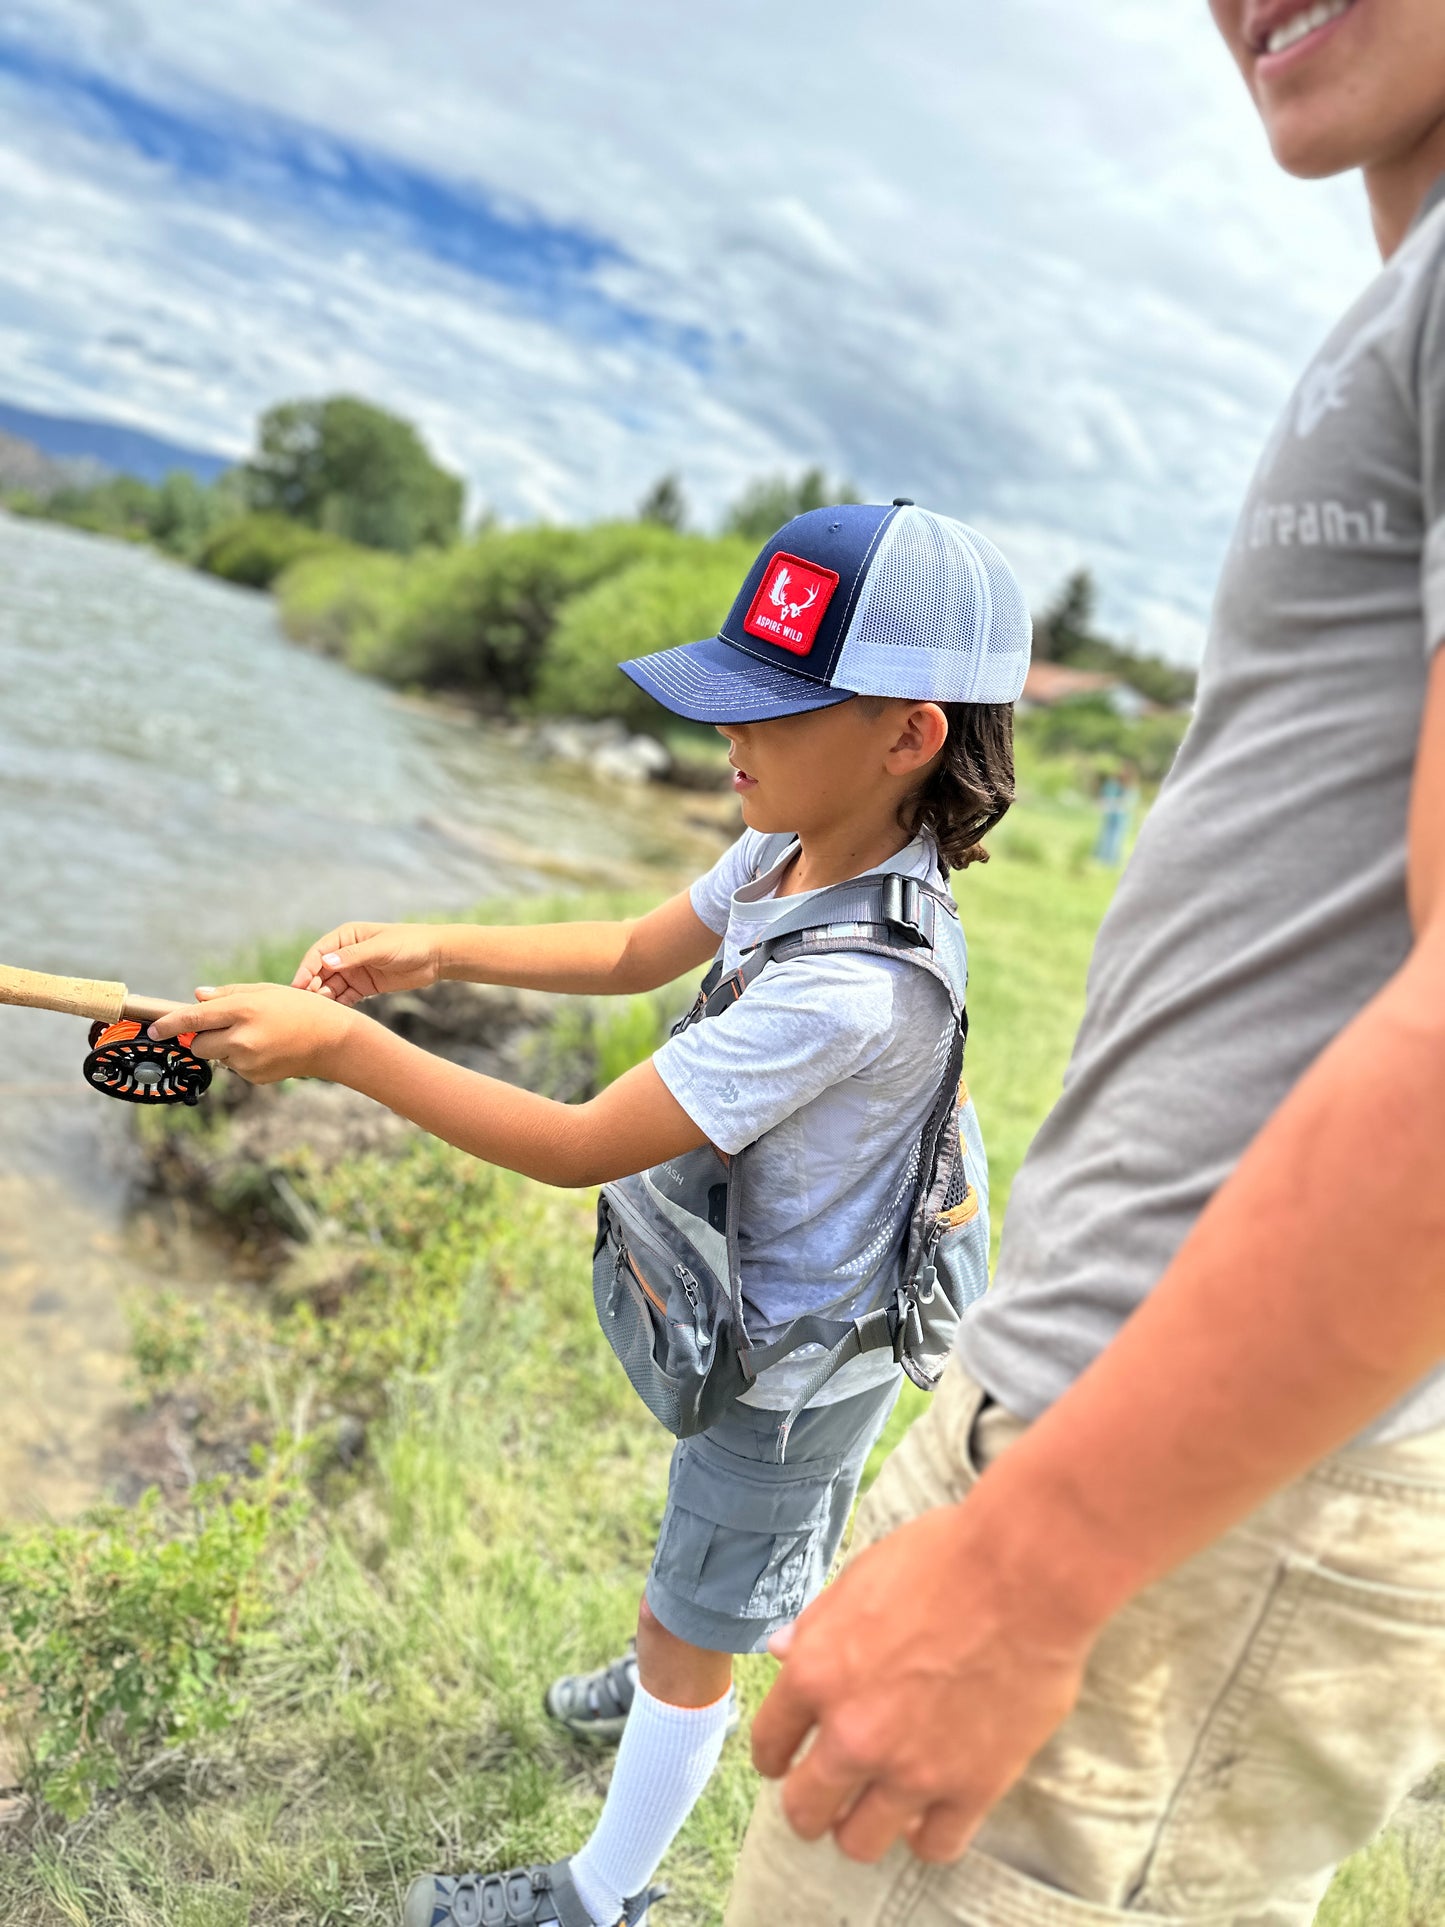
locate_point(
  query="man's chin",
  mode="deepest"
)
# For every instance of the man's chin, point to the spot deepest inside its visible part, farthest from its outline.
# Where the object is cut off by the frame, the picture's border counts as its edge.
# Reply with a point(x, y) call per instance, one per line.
point(1313, 149)
point(1315, 140)
point(1309, 161)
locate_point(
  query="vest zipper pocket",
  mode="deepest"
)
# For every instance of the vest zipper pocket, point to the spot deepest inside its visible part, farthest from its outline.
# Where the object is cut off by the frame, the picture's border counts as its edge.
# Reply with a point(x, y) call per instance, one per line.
point(632, 1229)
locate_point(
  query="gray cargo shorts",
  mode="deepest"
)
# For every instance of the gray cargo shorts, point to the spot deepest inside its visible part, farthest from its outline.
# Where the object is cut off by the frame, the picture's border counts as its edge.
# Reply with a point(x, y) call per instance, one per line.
point(746, 1542)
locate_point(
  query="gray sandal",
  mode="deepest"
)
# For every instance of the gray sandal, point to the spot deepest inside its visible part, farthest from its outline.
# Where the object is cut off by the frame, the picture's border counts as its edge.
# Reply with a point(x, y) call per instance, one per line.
point(595, 1706)
point(526, 1897)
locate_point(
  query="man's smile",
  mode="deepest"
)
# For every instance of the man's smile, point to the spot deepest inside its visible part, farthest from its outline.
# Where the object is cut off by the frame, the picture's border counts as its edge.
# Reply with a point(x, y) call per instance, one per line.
point(1281, 27)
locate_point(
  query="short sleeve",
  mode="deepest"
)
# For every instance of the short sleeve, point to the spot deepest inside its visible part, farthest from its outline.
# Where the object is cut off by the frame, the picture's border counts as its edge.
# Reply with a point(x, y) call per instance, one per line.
point(712, 894)
point(1431, 403)
point(798, 1029)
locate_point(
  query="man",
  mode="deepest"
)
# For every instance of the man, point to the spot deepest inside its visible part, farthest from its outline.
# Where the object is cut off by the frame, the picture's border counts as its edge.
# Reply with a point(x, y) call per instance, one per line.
point(1181, 1648)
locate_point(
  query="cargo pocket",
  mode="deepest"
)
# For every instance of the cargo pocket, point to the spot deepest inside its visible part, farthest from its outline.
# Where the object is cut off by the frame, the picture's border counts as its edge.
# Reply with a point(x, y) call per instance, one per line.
point(749, 1548)
point(1335, 1710)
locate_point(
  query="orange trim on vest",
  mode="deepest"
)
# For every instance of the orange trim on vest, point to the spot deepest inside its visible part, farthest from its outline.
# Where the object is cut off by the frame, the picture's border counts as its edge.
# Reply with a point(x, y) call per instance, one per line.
point(964, 1212)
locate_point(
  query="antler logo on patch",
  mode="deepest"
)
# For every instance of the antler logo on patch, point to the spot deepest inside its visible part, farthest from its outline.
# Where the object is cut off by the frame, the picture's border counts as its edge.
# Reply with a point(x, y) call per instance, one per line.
point(778, 595)
point(790, 604)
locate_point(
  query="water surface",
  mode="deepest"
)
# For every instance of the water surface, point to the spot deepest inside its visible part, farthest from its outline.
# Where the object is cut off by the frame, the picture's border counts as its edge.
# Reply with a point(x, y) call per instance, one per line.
point(178, 781)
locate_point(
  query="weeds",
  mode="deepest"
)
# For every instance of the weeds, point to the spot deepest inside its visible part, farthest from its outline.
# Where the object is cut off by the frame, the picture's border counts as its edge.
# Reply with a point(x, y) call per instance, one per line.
point(129, 1632)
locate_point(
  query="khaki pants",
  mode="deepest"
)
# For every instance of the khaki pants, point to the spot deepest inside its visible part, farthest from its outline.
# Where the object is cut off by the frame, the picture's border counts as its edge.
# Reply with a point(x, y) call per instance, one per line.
point(1244, 1725)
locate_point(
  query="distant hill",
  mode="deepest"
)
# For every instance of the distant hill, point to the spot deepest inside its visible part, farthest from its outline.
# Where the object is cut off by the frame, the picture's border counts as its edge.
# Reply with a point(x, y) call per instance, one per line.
point(130, 451)
point(23, 467)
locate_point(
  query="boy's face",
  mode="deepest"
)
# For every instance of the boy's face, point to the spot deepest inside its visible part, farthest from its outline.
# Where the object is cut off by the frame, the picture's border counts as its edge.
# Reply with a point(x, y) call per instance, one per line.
point(809, 773)
point(1361, 87)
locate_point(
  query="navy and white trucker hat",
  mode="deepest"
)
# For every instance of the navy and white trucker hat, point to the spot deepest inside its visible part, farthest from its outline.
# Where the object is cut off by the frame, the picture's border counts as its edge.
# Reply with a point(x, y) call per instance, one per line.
point(857, 600)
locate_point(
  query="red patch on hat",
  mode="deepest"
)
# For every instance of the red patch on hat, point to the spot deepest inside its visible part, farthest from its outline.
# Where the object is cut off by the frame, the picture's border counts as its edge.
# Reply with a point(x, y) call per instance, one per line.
point(790, 604)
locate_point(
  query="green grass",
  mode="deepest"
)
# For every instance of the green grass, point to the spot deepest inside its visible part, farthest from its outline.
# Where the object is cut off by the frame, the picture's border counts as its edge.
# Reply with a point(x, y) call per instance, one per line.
point(499, 1534)
point(500, 1525)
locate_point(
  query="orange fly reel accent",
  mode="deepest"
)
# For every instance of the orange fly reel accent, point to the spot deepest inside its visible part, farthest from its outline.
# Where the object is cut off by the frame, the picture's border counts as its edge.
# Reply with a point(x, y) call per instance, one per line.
point(125, 1063)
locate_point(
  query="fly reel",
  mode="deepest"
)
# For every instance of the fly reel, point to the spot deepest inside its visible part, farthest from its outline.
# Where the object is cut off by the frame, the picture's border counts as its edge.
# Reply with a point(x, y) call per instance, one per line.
point(125, 1063)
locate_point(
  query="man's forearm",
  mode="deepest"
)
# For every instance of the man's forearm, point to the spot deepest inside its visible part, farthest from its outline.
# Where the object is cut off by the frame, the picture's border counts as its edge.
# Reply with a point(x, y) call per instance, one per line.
point(1310, 1295)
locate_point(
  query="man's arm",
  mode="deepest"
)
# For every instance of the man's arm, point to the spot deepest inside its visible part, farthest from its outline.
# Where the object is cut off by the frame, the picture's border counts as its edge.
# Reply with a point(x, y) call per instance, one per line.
point(1309, 1296)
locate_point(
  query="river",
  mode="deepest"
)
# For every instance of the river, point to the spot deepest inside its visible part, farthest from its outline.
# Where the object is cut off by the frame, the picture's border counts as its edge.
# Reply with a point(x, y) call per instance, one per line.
point(178, 781)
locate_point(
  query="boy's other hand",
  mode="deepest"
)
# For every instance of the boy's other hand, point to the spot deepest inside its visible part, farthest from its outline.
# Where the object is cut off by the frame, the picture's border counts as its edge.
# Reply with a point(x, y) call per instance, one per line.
point(263, 1031)
point(365, 959)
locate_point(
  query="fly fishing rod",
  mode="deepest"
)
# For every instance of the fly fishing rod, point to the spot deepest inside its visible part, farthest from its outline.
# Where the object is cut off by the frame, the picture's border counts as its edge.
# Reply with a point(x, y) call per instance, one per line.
point(122, 1062)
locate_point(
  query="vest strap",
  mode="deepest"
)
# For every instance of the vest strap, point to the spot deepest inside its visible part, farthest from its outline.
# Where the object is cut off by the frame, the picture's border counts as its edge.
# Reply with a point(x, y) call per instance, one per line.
point(846, 1338)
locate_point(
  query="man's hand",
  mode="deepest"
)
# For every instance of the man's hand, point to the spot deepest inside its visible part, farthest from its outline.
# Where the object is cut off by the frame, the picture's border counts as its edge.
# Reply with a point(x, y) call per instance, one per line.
point(929, 1681)
point(264, 1032)
point(359, 960)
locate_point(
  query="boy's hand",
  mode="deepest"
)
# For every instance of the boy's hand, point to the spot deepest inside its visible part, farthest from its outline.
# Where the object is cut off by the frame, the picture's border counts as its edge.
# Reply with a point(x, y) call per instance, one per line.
point(364, 959)
point(263, 1031)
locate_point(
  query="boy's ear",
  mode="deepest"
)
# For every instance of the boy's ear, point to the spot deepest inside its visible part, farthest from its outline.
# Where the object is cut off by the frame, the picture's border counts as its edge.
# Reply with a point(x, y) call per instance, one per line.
point(922, 733)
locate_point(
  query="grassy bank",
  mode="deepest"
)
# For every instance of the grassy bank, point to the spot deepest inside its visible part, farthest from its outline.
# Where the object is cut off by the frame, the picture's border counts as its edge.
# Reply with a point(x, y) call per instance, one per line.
point(465, 1498)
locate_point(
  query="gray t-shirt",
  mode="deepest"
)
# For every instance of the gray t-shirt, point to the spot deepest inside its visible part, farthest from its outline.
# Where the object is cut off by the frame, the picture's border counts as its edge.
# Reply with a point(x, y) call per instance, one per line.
point(1265, 902)
point(829, 1067)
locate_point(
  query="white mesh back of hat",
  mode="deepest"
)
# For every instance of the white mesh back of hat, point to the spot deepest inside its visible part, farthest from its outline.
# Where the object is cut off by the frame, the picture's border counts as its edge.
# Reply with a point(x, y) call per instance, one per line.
point(941, 618)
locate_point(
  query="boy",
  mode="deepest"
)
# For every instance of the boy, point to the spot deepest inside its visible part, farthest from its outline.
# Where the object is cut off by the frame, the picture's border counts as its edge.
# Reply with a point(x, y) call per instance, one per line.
point(864, 680)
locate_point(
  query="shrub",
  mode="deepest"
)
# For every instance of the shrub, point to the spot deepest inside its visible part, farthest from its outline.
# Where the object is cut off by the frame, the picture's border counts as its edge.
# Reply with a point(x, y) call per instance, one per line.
point(127, 1633)
point(255, 549)
point(1089, 729)
point(343, 602)
point(478, 617)
point(179, 514)
point(658, 602)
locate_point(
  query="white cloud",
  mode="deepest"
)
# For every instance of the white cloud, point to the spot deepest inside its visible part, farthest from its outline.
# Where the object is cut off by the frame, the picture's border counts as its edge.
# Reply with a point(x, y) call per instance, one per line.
point(1030, 264)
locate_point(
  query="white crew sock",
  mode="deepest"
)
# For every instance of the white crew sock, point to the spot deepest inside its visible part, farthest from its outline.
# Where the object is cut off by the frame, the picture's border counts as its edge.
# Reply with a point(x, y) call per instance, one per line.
point(665, 1760)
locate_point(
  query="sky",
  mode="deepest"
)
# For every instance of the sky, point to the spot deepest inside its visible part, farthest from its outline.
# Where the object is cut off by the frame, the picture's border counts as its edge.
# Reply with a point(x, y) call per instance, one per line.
point(1029, 264)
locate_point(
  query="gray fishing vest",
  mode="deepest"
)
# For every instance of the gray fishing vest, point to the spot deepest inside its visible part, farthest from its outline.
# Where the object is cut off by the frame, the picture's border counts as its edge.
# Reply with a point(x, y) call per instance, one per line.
point(666, 1276)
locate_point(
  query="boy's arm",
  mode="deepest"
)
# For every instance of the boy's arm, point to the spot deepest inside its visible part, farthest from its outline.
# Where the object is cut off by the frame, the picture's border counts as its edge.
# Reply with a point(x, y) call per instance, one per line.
point(641, 953)
point(267, 1033)
point(1309, 1296)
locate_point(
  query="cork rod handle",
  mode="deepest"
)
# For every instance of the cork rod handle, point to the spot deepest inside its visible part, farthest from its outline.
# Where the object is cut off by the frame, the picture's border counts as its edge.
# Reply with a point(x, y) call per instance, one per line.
point(78, 996)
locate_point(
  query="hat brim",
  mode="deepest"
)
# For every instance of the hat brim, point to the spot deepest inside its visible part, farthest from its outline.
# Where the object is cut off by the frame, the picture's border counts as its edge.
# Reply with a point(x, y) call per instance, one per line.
point(712, 682)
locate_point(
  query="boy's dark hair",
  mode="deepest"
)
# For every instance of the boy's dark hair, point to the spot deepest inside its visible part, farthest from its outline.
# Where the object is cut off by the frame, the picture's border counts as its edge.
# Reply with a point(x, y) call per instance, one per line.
point(971, 787)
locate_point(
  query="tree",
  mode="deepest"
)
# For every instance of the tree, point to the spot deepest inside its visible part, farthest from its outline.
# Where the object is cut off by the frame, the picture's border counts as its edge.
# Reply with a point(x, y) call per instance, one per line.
point(1065, 633)
point(352, 470)
point(664, 503)
point(764, 506)
point(1067, 625)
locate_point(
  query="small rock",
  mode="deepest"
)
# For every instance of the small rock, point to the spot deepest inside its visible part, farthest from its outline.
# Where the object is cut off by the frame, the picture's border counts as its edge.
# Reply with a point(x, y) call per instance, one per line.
point(639, 759)
point(606, 747)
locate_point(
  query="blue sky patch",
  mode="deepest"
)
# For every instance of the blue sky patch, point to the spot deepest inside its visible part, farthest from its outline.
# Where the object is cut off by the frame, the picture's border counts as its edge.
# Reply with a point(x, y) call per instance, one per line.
point(234, 150)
